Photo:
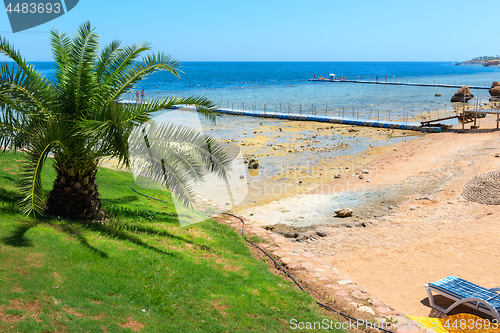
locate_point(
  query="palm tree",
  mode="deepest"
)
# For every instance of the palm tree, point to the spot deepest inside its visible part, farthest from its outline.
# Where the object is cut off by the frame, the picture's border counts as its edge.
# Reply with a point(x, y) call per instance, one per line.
point(77, 119)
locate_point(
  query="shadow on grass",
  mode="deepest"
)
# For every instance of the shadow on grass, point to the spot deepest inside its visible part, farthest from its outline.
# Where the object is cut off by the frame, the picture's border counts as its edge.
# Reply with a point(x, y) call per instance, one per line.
point(122, 200)
point(140, 214)
point(151, 231)
point(76, 230)
point(10, 197)
point(9, 178)
point(8, 201)
point(77, 234)
point(18, 239)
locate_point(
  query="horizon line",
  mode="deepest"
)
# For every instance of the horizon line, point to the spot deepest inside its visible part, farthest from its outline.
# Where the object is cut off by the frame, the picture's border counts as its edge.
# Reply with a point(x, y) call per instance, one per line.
point(402, 61)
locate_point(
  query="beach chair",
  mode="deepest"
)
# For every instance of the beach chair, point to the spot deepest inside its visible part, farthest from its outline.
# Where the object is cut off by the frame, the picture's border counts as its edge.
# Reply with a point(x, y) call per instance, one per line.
point(467, 293)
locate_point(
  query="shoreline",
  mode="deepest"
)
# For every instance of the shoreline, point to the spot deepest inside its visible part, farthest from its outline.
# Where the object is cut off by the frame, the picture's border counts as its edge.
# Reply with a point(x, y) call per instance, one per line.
point(420, 229)
point(427, 230)
point(296, 157)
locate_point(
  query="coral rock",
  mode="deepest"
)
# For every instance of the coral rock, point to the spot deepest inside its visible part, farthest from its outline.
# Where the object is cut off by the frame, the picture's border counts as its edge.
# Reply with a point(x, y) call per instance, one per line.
point(344, 212)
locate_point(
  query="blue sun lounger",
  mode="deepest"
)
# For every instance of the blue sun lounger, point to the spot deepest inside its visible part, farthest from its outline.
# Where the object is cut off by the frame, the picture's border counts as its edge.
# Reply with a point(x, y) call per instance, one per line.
point(467, 293)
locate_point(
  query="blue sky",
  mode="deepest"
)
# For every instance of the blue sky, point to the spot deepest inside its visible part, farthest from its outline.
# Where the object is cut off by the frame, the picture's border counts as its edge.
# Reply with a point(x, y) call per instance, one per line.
point(276, 30)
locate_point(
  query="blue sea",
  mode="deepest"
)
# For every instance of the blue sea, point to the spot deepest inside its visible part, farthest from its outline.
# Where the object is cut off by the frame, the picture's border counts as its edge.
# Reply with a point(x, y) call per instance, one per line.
point(275, 85)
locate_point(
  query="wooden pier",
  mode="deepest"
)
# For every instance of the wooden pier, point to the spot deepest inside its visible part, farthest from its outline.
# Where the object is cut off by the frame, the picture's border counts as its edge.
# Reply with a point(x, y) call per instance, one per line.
point(472, 116)
point(469, 115)
point(403, 125)
point(400, 83)
point(429, 126)
point(345, 120)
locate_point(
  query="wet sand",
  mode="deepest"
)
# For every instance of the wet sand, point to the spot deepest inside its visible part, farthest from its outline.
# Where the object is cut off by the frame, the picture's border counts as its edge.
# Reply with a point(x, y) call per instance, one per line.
point(295, 156)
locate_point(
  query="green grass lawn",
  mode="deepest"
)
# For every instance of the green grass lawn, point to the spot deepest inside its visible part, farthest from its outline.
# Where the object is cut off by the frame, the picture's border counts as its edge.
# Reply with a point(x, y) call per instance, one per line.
point(140, 271)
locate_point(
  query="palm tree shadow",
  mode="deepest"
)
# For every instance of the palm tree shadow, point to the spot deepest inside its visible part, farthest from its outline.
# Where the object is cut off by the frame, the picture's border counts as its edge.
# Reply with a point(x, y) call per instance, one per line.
point(113, 232)
point(9, 200)
point(77, 234)
point(9, 178)
point(164, 233)
point(120, 201)
point(18, 239)
point(7, 196)
point(169, 218)
point(141, 214)
point(75, 229)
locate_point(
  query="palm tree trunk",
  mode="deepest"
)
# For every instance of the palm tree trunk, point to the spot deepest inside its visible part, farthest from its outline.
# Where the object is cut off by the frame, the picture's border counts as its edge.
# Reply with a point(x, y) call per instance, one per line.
point(74, 195)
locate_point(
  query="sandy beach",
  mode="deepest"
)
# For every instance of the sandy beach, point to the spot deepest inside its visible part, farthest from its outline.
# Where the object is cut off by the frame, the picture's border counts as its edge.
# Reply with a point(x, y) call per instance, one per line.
point(411, 225)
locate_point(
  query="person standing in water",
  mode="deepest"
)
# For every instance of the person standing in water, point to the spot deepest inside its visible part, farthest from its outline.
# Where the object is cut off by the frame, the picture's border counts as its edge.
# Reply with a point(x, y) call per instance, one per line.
point(143, 94)
point(137, 94)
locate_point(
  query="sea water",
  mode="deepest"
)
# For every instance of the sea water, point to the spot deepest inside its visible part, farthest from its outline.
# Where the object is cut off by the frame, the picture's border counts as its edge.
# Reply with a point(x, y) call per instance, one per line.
point(283, 86)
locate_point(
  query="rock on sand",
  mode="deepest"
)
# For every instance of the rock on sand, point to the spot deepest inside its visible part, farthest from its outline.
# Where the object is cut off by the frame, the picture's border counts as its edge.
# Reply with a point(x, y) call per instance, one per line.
point(462, 95)
point(344, 212)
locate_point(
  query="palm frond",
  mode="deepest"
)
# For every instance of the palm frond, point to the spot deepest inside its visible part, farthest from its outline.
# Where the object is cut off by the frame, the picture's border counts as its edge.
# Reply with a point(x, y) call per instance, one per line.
point(141, 112)
point(110, 127)
point(135, 72)
point(122, 60)
point(176, 156)
point(21, 83)
point(107, 132)
point(42, 141)
point(8, 50)
point(25, 91)
point(108, 55)
point(14, 128)
point(203, 105)
point(60, 44)
point(79, 92)
point(61, 47)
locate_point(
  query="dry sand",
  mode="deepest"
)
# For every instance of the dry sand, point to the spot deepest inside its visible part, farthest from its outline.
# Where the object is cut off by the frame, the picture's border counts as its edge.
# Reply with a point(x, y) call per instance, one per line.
point(418, 228)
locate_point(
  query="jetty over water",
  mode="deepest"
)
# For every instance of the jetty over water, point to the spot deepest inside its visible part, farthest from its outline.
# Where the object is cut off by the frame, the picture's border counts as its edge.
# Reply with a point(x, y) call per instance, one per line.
point(403, 125)
point(399, 83)
point(468, 114)
point(431, 125)
point(344, 119)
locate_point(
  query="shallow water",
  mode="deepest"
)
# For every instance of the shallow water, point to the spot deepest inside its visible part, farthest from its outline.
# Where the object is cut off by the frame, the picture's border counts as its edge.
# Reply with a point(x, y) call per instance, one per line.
point(289, 152)
point(241, 128)
point(283, 86)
